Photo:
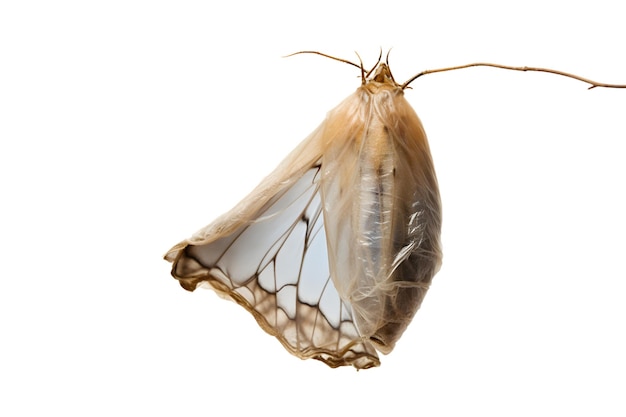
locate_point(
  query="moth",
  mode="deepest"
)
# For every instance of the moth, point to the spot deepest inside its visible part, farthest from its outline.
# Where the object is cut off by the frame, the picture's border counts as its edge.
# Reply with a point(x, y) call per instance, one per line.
point(334, 251)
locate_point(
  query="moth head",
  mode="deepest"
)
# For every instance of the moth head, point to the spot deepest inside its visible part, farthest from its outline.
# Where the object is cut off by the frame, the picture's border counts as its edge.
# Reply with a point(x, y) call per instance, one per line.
point(382, 74)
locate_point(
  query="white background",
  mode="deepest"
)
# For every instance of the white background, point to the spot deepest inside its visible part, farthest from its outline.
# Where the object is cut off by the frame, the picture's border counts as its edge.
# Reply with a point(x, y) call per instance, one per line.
point(125, 126)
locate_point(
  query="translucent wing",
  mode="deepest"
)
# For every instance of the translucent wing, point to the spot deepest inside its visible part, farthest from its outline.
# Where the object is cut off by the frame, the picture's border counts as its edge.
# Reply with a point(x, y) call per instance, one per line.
point(275, 264)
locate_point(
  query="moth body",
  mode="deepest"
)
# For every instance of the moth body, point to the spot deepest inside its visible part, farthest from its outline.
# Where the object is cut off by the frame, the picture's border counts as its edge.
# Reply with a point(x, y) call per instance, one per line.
point(381, 210)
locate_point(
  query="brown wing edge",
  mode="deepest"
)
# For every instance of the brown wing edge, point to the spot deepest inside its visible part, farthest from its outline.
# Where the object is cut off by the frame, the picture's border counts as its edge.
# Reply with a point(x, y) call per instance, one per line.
point(354, 353)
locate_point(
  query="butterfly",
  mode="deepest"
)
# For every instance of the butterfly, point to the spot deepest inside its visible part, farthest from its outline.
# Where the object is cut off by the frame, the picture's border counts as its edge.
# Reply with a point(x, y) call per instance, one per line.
point(334, 251)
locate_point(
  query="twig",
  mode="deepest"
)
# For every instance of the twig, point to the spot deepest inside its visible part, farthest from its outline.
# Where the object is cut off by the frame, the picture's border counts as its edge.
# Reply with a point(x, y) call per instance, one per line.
point(594, 84)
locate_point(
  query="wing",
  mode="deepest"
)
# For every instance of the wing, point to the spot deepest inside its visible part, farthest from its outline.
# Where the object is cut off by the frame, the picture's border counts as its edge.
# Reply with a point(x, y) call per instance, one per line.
point(274, 263)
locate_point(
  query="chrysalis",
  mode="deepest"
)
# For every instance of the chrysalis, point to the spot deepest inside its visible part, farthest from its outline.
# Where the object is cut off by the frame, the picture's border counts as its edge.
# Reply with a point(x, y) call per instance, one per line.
point(334, 251)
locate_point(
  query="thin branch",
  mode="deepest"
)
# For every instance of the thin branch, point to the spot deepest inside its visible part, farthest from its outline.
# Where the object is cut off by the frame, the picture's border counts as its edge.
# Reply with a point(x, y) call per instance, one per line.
point(363, 75)
point(380, 55)
point(327, 56)
point(593, 84)
point(387, 62)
